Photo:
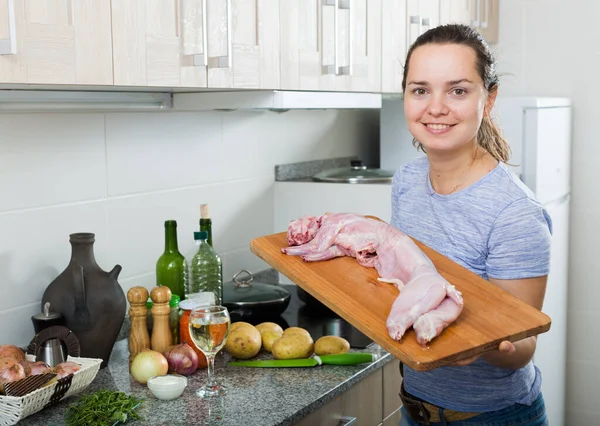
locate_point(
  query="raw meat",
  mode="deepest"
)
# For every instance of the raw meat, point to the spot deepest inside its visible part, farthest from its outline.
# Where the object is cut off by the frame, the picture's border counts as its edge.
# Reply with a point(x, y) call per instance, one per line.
point(427, 302)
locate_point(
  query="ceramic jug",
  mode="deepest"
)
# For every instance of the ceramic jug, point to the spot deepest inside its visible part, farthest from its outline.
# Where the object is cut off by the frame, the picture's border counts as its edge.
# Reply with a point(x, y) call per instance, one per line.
point(91, 300)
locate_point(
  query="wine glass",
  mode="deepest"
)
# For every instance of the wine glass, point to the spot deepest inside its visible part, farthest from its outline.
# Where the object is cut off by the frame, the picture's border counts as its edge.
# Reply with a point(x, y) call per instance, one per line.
point(209, 328)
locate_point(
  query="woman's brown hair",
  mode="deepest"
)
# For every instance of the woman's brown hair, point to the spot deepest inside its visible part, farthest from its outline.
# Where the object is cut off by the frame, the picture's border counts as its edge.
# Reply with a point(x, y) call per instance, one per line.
point(489, 136)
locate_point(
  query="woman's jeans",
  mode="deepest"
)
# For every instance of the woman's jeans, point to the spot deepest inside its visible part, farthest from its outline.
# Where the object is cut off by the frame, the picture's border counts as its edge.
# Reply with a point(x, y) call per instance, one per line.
point(515, 415)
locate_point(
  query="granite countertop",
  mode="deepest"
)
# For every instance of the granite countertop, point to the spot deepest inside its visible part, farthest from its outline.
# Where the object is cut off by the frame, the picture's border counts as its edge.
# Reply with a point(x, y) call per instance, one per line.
point(259, 396)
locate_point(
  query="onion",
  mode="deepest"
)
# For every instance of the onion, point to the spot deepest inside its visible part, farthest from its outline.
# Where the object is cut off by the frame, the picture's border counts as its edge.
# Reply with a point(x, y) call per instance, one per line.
point(11, 374)
point(182, 359)
point(65, 368)
point(148, 363)
point(7, 362)
point(34, 368)
point(12, 351)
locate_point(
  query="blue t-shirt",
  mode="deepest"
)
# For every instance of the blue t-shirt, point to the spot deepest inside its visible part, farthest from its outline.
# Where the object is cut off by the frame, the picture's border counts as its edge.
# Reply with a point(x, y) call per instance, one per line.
point(495, 228)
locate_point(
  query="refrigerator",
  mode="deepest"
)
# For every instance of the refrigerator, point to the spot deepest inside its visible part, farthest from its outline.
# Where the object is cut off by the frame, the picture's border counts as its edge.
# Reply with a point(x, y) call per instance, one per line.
point(538, 130)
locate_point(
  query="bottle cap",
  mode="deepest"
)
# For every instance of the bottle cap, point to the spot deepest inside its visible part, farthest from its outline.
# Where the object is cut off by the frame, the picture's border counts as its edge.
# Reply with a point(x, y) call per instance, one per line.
point(149, 304)
point(202, 235)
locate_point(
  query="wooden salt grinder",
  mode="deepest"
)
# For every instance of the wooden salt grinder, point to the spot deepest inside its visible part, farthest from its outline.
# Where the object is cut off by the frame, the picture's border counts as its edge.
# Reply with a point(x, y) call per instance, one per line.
point(139, 339)
point(161, 331)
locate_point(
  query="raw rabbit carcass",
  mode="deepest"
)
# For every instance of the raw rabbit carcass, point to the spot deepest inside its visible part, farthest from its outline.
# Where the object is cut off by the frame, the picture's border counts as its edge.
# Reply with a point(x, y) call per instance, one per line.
point(427, 302)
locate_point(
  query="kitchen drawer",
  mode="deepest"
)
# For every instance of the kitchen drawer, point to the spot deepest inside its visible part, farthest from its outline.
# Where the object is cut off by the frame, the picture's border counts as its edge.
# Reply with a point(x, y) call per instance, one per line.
point(362, 401)
point(391, 388)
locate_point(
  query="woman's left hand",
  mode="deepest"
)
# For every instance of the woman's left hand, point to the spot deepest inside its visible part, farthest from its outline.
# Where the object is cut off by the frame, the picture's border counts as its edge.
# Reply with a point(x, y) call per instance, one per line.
point(505, 347)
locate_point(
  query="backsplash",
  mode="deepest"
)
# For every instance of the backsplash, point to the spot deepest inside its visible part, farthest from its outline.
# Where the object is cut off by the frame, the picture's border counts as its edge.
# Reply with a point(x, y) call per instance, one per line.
point(122, 175)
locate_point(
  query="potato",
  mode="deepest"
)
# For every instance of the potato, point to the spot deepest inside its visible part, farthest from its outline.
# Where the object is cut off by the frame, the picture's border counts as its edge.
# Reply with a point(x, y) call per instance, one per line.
point(269, 326)
point(293, 346)
point(268, 338)
point(237, 324)
point(243, 342)
point(296, 330)
point(331, 345)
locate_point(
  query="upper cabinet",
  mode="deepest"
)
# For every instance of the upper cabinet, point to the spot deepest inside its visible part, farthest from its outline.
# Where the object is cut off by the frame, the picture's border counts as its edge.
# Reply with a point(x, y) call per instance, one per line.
point(196, 43)
point(331, 45)
point(55, 42)
point(483, 15)
point(402, 22)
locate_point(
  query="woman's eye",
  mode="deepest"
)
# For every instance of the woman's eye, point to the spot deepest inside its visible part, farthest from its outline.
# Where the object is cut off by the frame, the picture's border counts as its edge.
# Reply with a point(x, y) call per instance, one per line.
point(459, 92)
point(419, 92)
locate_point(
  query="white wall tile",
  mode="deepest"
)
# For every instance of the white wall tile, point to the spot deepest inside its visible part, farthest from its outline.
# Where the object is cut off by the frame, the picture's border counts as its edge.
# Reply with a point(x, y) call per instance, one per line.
point(236, 260)
point(581, 347)
point(17, 328)
point(157, 151)
point(35, 248)
point(51, 159)
point(583, 382)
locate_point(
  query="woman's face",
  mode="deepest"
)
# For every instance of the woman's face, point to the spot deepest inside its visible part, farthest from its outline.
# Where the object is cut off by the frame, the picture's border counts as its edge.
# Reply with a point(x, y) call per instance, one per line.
point(444, 100)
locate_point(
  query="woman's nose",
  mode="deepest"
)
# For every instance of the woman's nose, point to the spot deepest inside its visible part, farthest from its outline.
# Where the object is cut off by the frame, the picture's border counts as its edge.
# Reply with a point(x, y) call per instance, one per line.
point(437, 104)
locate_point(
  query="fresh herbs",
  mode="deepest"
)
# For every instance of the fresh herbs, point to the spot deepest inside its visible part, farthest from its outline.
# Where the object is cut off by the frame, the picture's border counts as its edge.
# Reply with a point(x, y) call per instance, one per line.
point(102, 408)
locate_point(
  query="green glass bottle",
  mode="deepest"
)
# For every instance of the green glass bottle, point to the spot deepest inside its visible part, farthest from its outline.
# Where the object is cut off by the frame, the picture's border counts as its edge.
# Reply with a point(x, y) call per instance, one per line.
point(206, 223)
point(171, 267)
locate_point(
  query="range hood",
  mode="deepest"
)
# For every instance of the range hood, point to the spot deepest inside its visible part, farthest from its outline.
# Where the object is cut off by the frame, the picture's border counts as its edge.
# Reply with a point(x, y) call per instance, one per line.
point(274, 100)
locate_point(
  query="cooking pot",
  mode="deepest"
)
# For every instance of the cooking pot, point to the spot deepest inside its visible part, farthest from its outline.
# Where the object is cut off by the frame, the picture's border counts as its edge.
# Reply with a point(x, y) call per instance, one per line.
point(356, 173)
point(246, 297)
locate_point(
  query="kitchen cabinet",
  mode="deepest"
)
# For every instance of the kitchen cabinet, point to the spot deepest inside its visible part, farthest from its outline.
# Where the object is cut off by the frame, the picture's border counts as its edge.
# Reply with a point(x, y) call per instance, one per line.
point(363, 402)
point(402, 22)
point(392, 380)
point(55, 42)
point(196, 43)
point(483, 15)
point(332, 45)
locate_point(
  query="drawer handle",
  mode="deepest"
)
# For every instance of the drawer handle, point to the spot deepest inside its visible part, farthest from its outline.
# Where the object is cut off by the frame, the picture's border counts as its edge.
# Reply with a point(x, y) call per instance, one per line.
point(8, 46)
point(202, 59)
point(347, 421)
point(336, 69)
point(227, 60)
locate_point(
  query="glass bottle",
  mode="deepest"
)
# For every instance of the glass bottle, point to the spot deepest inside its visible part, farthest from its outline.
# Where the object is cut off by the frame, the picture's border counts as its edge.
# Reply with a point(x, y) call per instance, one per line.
point(206, 223)
point(205, 269)
point(171, 267)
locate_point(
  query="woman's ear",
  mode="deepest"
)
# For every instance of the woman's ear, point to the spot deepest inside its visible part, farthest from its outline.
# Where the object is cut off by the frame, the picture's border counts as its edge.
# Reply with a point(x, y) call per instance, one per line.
point(489, 102)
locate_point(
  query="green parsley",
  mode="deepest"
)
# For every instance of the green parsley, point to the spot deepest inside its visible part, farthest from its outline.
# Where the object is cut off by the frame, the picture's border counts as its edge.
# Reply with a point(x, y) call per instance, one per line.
point(102, 408)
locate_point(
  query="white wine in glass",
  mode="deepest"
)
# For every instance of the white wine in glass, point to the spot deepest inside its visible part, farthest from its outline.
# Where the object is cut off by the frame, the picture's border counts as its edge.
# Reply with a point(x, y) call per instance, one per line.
point(209, 329)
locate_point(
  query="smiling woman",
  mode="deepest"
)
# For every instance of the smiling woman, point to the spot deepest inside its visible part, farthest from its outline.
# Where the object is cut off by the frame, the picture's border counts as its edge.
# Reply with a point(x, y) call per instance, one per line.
point(463, 201)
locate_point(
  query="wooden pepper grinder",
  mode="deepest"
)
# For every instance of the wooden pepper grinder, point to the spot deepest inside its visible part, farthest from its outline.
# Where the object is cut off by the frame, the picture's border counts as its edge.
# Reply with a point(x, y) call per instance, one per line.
point(139, 339)
point(161, 331)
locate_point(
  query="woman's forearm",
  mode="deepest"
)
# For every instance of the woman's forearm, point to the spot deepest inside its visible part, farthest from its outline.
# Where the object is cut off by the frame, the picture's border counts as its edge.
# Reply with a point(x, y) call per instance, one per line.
point(523, 353)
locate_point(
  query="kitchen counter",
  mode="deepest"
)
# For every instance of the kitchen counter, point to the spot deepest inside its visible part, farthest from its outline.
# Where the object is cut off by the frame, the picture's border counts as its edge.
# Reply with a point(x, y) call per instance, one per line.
point(257, 396)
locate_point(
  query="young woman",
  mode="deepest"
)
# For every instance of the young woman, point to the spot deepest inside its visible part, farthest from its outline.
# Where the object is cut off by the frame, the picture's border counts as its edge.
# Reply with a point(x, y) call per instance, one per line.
point(462, 200)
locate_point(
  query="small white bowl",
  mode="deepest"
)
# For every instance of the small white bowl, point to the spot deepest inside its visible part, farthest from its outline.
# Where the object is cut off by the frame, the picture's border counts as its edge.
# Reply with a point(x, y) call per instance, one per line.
point(167, 387)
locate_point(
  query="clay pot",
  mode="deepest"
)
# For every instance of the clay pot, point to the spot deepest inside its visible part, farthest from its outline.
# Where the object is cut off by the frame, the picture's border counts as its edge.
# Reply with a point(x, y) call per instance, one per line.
point(91, 300)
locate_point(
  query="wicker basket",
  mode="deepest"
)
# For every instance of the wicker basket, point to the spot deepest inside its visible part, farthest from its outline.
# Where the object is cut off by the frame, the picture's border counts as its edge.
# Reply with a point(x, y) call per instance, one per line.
point(13, 409)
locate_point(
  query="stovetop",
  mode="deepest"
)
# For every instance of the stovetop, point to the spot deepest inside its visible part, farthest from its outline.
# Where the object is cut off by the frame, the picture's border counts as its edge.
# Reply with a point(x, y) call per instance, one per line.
point(315, 317)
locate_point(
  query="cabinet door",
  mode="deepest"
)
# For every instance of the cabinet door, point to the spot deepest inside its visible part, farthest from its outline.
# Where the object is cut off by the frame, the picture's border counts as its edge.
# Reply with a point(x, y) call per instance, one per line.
point(393, 44)
point(155, 43)
point(243, 44)
point(365, 44)
point(486, 14)
point(456, 11)
point(422, 15)
point(55, 42)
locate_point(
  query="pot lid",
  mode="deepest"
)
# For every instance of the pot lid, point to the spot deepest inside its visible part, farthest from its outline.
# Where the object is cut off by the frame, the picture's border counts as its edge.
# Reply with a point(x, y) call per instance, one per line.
point(244, 291)
point(46, 314)
point(356, 173)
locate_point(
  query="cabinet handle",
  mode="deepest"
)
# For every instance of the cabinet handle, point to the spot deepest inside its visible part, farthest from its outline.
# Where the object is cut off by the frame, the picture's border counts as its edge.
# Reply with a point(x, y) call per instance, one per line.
point(336, 69)
point(8, 46)
point(425, 22)
point(227, 60)
point(202, 59)
point(486, 14)
point(347, 421)
point(347, 70)
point(475, 22)
point(415, 19)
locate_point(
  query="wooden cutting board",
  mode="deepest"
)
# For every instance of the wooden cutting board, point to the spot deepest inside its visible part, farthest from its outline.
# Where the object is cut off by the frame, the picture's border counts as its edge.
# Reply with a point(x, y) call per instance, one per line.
point(490, 314)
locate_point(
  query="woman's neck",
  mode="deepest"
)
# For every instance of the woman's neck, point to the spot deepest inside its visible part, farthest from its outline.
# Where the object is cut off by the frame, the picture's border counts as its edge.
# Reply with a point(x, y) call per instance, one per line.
point(452, 172)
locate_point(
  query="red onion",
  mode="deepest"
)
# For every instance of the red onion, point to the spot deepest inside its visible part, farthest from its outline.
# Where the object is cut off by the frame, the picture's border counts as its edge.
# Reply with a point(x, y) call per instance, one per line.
point(33, 368)
point(12, 351)
point(65, 368)
point(182, 359)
